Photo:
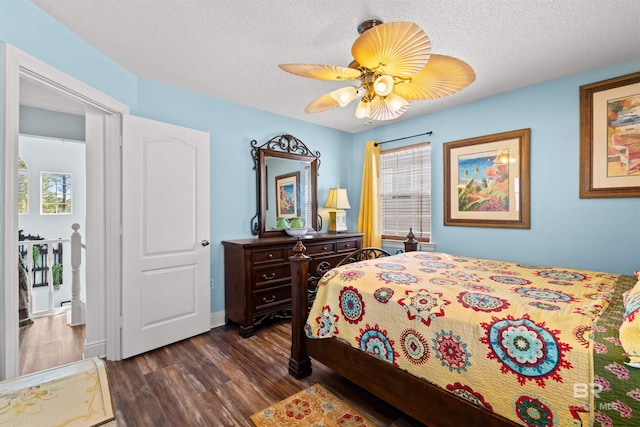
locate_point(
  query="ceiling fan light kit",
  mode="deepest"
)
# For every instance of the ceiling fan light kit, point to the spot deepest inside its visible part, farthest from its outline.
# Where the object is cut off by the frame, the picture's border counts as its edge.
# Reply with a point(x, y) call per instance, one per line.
point(345, 95)
point(394, 65)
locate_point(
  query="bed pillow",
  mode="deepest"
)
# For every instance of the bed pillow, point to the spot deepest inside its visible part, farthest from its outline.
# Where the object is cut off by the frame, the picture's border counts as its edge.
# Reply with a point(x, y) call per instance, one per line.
point(630, 329)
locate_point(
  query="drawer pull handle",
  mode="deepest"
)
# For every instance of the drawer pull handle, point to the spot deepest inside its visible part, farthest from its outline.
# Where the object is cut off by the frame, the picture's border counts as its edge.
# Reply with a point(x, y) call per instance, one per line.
point(347, 245)
point(272, 299)
point(270, 256)
point(324, 248)
point(269, 277)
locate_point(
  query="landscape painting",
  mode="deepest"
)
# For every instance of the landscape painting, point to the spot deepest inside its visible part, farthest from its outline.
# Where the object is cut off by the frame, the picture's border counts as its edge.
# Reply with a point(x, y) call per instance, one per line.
point(287, 195)
point(483, 181)
point(486, 181)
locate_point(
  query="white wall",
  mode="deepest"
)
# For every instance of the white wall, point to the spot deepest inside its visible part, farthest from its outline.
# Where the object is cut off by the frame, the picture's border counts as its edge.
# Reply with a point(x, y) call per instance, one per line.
point(54, 155)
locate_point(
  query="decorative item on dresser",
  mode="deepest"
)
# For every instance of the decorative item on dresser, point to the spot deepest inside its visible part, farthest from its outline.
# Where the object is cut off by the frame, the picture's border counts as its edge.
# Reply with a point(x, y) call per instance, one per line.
point(257, 274)
point(293, 191)
point(337, 202)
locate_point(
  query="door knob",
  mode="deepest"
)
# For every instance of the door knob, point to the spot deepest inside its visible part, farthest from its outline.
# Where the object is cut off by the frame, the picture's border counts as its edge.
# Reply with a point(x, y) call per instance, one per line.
point(205, 243)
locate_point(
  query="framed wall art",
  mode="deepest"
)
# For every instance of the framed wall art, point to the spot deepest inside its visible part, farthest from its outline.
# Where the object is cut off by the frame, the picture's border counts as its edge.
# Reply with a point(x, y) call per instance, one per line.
point(610, 138)
point(288, 195)
point(486, 181)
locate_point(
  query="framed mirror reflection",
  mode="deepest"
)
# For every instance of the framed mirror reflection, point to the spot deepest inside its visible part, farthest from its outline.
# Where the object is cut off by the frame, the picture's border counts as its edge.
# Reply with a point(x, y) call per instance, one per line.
point(286, 182)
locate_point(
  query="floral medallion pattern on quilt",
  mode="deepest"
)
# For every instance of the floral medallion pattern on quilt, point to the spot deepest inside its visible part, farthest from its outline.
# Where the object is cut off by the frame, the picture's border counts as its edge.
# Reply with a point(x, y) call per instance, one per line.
point(512, 338)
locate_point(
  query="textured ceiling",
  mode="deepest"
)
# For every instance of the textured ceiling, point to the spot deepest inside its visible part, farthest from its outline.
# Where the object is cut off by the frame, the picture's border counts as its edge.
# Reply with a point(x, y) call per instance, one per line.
point(230, 49)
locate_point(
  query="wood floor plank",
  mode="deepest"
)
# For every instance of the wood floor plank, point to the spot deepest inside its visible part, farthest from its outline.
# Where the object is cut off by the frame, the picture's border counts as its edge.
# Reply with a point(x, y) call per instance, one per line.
point(49, 342)
point(220, 379)
point(214, 379)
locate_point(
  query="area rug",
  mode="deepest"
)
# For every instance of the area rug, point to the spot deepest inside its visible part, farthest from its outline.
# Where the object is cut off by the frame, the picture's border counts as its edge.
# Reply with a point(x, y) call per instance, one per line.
point(72, 395)
point(314, 406)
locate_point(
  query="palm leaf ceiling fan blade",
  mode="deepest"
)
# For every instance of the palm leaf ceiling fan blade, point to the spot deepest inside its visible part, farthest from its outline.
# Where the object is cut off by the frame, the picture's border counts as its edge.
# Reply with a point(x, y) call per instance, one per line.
point(322, 103)
point(322, 72)
point(442, 76)
point(396, 48)
point(394, 65)
point(380, 110)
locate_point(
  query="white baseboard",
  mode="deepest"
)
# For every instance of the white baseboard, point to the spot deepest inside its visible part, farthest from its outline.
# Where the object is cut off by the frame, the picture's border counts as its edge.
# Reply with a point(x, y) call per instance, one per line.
point(217, 319)
point(95, 349)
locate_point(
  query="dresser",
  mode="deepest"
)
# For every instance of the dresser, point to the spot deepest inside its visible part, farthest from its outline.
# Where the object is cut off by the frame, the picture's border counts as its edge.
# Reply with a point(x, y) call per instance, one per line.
point(257, 273)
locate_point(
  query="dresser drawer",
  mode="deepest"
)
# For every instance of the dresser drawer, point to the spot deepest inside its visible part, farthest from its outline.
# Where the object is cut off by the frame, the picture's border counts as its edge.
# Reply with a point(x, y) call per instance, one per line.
point(273, 298)
point(257, 273)
point(347, 245)
point(320, 248)
point(269, 255)
point(271, 275)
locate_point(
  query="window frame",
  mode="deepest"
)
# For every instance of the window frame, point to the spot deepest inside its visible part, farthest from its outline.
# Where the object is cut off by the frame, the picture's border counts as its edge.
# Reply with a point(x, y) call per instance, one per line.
point(402, 235)
point(23, 186)
point(70, 193)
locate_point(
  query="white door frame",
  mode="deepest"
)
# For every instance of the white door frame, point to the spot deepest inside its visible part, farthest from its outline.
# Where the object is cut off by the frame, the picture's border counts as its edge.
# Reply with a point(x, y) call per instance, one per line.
point(103, 123)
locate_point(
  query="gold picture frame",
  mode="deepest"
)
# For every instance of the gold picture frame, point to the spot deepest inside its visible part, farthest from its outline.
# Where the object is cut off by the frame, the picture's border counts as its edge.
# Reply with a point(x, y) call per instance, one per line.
point(486, 181)
point(288, 195)
point(610, 138)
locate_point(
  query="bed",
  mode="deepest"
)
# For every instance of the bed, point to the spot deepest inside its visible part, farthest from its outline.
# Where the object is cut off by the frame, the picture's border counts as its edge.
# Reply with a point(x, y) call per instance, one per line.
point(459, 341)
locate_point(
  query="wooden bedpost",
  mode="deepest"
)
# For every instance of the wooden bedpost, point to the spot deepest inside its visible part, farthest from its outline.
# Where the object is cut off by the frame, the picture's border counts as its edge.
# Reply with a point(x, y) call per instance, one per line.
point(299, 362)
point(411, 244)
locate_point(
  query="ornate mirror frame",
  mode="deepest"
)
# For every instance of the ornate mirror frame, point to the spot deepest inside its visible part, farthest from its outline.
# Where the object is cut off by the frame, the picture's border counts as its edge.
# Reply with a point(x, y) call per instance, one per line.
point(281, 147)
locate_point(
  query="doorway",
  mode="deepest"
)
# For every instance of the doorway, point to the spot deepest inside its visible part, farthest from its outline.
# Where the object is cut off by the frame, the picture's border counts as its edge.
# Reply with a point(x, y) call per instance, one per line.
point(102, 127)
point(51, 198)
point(109, 214)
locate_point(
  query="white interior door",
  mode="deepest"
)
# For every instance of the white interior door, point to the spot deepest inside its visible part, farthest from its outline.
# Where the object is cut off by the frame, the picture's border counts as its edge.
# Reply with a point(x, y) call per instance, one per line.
point(165, 233)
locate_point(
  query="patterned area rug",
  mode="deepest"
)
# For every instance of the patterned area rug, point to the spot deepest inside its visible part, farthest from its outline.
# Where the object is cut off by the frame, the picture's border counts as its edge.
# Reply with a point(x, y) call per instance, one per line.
point(72, 395)
point(314, 406)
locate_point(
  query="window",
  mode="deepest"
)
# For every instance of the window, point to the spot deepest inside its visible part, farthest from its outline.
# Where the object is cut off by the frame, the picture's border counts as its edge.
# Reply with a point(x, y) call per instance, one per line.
point(23, 187)
point(55, 193)
point(405, 193)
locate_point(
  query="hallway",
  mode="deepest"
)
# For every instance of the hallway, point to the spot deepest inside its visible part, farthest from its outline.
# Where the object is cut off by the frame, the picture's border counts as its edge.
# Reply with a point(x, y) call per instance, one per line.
point(49, 342)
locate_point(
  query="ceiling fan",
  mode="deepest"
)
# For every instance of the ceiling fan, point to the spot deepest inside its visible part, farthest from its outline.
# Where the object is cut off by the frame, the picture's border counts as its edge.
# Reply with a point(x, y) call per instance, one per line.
point(394, 66)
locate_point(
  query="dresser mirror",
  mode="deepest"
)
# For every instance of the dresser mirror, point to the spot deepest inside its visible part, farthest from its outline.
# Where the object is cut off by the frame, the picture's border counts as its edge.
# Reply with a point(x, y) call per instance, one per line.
point(286, 175)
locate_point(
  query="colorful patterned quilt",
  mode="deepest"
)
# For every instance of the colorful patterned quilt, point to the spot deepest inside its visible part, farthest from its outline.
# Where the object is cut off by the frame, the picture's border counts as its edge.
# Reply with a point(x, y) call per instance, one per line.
point(513, 338)
point(616, 386)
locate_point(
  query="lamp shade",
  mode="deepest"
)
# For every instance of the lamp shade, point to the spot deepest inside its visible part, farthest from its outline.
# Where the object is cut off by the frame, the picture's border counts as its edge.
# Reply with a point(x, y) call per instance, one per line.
point(363, 110)
point(395, 102)
point(383, 85)
point(337, 199)
point(345, 95)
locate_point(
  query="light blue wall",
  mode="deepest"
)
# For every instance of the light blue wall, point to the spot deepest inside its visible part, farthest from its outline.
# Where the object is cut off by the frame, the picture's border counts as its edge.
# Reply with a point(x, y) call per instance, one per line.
point(233, 180)
point(36, 121)
point(566, 231)
point(29, 29)
point(231, 126)
point(601, 234)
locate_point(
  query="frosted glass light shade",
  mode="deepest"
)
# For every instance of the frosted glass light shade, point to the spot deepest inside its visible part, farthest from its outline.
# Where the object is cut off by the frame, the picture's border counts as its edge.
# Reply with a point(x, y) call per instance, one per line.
point(363, 109)
point(395, 102)
point(383, 85)
point(345, 95)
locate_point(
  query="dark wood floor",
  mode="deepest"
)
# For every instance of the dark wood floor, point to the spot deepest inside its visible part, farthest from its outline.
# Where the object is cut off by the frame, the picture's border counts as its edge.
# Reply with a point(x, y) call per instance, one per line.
point(220, 379)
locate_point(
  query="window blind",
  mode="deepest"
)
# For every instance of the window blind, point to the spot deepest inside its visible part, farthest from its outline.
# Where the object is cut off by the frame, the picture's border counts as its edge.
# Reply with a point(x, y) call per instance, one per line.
point(405, 193)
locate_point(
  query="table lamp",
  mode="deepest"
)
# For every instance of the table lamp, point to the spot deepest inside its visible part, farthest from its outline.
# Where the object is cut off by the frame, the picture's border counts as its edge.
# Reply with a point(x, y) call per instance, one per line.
point(337, 201)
